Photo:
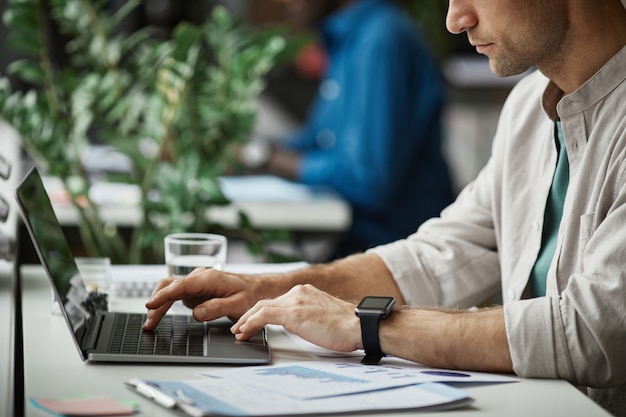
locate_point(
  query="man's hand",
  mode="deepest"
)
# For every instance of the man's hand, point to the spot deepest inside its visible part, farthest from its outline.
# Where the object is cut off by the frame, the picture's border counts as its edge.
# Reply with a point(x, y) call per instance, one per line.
point(310, 313)
point(210, 293)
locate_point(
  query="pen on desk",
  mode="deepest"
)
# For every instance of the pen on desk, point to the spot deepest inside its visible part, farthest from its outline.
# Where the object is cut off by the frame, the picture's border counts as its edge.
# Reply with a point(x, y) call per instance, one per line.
point(183, 398)
point(149, 391)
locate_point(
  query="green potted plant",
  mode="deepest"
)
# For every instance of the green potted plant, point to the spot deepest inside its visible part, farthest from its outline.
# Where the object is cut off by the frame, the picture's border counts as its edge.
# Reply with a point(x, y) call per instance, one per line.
point(176, 109)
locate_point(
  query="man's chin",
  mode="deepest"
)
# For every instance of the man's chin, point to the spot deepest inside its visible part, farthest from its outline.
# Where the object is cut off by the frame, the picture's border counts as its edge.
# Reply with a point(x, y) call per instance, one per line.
point(507, 70)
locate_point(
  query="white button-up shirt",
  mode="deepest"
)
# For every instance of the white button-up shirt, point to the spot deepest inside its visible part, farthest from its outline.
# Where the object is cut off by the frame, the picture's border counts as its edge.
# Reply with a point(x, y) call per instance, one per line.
point(491, 236)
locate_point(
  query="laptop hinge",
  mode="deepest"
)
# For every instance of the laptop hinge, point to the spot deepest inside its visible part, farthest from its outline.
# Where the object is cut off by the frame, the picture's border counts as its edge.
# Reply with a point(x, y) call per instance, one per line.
point(94, 326)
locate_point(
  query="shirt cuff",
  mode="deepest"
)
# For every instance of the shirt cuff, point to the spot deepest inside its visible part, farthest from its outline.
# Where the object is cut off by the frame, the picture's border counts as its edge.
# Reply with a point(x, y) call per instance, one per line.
point(536, 339)
point(404, 266)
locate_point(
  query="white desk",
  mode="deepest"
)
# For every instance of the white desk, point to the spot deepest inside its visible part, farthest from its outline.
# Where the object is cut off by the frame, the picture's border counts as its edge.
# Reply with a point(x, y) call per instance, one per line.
point(54, 369)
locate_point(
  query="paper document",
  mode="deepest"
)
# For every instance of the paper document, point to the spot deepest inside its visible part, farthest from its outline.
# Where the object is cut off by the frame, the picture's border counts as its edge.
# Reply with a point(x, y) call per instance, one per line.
point(314, 387)
point(270, 188)
point(230, 397)
point(318, 379)
point(422, 373)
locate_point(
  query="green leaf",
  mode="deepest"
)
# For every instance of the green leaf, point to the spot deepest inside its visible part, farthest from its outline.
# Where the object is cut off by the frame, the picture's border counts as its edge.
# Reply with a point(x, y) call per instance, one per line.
point(28, 44)
point(185, 38)
point(123, 12)
point(27, 70)
point(221, 17)
point(175, 108)
point(210, 191)
point(20, 16)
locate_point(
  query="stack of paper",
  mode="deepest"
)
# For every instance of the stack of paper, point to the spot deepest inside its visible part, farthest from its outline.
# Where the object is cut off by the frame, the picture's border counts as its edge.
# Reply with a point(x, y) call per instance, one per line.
point(313, 387)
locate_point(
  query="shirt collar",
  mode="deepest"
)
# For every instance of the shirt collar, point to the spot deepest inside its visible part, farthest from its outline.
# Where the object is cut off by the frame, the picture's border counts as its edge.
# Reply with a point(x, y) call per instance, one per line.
point(338, 25)
point(593, 90)
point(551, 97)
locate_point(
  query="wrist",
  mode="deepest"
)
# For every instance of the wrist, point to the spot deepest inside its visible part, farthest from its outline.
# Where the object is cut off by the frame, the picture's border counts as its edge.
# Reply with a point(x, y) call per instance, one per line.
point(392, 334)
point(371, 310)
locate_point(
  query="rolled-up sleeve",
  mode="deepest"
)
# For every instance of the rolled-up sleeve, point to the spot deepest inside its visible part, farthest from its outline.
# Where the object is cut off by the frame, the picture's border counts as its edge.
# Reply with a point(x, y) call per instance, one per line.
point(452, 260)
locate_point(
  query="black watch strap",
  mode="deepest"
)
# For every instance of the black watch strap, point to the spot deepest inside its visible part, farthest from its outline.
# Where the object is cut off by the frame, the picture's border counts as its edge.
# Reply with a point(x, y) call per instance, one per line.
point(371, 342)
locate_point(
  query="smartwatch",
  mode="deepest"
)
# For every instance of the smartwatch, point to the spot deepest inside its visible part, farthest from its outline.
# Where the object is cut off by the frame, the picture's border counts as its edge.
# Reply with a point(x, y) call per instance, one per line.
point(370, 311)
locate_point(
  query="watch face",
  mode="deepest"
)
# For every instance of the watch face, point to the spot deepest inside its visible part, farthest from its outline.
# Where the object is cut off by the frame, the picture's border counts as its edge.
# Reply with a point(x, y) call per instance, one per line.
point(376, 305)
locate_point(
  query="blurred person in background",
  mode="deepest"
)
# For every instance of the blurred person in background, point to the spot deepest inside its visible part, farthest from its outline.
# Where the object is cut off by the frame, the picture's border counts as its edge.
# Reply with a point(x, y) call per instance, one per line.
point(374, 131)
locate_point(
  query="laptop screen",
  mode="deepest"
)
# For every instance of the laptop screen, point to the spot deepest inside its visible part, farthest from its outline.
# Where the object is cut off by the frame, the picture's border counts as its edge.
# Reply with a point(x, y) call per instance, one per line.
point(54, 251)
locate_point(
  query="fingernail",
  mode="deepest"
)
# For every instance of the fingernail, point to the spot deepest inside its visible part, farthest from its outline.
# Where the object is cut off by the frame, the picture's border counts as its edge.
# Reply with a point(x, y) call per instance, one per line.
point(147, 322)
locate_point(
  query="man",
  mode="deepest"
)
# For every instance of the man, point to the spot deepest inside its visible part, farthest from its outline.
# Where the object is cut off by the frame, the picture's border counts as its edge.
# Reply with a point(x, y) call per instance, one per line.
point(554, 189)
point(374, 131)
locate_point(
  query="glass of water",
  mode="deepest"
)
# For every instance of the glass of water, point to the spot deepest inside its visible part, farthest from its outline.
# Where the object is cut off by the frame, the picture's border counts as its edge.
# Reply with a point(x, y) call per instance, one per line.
point(185, 252)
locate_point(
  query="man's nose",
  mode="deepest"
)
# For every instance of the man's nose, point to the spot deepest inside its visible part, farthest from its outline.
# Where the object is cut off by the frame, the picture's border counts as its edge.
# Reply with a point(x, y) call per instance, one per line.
point(461, 16)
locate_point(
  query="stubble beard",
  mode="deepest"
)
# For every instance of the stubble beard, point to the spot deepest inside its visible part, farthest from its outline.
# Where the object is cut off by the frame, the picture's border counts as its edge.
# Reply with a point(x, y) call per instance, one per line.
point(544, 46)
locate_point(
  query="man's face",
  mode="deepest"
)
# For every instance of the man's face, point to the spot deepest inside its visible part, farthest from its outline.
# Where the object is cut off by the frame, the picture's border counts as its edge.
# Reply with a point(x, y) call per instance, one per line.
point(308, 12)
point(513, 34)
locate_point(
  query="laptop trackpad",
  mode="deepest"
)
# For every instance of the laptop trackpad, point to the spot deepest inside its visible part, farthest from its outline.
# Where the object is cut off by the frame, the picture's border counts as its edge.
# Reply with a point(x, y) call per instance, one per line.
point(218, 331)
point(219, 334)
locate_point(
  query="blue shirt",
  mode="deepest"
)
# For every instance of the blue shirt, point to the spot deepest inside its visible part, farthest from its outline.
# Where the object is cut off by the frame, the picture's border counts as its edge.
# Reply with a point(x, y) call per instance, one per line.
point(374, 132)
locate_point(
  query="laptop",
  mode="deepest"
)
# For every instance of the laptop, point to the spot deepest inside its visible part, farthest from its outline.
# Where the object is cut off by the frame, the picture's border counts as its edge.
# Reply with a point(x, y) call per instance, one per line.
point(105, 336)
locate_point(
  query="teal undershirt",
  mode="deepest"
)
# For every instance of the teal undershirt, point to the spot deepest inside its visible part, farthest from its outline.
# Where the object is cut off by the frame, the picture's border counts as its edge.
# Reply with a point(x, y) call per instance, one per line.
point(552, 217)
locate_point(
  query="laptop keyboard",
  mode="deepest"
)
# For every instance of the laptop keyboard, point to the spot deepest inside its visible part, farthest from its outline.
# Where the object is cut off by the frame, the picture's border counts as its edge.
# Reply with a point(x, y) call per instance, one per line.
point(176, 335)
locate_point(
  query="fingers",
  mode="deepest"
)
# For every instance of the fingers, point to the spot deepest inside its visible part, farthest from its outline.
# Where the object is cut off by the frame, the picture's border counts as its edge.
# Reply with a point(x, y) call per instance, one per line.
point(307, 312)
point(155, 314)
point(172, 289)
point(264, 312)
point(209, 293)
point(167, 291)
point(153, 317)
point(280, 310)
